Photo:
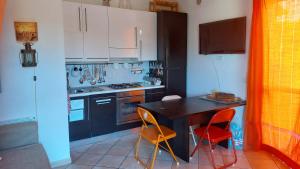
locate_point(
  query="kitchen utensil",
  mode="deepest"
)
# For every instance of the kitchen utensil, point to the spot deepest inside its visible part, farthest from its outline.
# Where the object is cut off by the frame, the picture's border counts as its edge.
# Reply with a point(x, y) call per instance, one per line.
point(104, 73)
point(81, 80)
point(75, 68)
point(80, 68)
point(88, 73)
point(92, 78)
point(96, 72)
point(75, 72)
point(93, 82)
point(100, 68)
point(158, 82)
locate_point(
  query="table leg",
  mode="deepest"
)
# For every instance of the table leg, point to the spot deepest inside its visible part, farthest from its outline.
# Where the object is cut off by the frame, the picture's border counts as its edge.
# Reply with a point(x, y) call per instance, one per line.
point(180, 144)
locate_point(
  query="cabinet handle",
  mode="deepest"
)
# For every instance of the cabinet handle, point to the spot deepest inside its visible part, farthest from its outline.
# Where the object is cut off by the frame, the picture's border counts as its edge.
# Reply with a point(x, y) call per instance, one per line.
point(136, 36)
point(79, 18)
point(141, 49)
point(103, 100)
point(102, 103)
point(86, 27)
point(167, 58)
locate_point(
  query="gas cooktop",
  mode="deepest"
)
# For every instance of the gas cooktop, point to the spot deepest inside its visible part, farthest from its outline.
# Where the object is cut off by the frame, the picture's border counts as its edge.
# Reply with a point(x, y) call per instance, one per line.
point(124, 85)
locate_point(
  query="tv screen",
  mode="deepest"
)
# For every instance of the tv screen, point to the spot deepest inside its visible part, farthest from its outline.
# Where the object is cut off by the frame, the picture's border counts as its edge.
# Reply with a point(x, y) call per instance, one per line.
point(223, 37)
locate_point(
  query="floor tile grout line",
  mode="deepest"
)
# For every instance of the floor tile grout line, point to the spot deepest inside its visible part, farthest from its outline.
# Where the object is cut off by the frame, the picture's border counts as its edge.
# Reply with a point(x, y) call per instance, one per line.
point(107, 153)
point(133, 149)
point(127, 155)
point(86, 152)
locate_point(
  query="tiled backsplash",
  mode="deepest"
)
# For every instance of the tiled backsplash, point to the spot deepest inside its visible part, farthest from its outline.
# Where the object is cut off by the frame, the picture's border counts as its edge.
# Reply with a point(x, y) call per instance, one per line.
point(115, 73)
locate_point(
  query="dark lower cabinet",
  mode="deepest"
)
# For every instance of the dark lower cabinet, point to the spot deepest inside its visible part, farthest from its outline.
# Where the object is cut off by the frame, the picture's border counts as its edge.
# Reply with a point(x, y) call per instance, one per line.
point(153, 95)
point(79, 120)
point(103, 114)
point(92, 116)
point(97, 115)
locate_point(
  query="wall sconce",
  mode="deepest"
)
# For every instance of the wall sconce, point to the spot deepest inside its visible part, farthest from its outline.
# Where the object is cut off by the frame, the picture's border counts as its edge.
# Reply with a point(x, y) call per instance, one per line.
point(26, 33)
point(28, 56)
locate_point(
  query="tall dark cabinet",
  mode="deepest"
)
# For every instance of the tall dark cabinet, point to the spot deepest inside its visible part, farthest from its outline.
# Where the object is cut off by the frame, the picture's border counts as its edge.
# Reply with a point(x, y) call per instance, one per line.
point(172, 50)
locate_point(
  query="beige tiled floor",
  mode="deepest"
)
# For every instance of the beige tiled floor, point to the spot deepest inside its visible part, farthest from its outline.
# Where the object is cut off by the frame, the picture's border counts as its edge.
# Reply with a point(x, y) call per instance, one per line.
point(116, 151)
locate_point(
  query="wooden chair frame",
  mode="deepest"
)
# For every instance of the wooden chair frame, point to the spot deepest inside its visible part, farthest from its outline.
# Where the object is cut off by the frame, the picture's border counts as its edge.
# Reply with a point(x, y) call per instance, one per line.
point(147, 117)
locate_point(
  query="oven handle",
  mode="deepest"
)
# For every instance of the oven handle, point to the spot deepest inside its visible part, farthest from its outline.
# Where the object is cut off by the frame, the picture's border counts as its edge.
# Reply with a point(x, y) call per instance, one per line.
point(134, 98)
point(137, 102)
point(103, 100)
point(102, 103)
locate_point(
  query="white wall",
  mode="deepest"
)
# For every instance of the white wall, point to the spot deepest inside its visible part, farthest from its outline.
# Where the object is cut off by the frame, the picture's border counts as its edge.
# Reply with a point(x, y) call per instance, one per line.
point(216, 72)
point(17, 99)
point(204, 71)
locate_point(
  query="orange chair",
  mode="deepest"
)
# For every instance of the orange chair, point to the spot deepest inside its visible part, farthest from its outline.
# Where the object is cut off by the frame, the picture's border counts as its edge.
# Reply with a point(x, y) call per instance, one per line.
point(155, 134)
point(214, 134)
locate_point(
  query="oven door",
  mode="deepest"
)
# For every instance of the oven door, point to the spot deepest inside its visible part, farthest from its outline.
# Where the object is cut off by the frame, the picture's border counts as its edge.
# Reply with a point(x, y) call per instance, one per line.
point(127, 109)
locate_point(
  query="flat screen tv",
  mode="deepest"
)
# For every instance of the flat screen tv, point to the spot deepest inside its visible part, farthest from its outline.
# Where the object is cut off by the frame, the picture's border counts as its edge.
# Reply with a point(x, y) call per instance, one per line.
point(223, 37)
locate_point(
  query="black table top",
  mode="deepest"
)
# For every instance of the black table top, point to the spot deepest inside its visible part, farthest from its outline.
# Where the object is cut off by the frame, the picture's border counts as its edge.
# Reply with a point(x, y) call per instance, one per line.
point(187, 106)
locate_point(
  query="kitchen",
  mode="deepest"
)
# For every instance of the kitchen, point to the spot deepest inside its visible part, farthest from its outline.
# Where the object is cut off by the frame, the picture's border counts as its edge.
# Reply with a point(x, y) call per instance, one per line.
point(81, 79)
point(119, 64)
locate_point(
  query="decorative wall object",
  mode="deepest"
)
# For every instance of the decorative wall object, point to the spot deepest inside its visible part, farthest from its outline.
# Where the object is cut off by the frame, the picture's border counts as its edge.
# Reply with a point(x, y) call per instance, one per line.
point(198, 2)
point(28, 56)
point(106, 2)
point(163, 5)
point(27, 33)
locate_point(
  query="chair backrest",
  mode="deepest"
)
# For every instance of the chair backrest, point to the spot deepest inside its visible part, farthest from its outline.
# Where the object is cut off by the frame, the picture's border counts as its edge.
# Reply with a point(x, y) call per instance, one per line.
point(223, 116)
point(147, 117)
point(171, 97)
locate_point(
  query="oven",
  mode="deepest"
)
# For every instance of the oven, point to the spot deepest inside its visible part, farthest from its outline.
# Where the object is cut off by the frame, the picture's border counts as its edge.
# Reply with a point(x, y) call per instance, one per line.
point(127, 106)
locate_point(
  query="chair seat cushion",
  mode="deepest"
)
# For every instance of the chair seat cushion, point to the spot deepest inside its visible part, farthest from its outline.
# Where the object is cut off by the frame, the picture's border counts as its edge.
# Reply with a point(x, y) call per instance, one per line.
point(216, 134)
point(28, 157)
point(151, 134)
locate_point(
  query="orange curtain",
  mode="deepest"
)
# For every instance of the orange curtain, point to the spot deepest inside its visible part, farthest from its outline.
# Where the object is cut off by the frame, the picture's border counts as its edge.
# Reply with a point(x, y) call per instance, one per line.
point(2, 3)
point(278, 106)
point(255, 77)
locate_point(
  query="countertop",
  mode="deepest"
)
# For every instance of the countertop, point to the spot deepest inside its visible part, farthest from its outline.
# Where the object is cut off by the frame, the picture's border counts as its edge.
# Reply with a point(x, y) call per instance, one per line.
point(105, 89)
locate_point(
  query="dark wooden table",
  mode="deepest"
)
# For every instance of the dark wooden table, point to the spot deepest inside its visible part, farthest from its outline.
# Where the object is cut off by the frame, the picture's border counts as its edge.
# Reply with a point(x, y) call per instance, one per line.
point(177, 115)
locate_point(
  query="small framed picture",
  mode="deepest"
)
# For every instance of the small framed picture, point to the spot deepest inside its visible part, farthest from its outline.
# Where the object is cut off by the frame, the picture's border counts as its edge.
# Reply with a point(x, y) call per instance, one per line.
point(26, 31)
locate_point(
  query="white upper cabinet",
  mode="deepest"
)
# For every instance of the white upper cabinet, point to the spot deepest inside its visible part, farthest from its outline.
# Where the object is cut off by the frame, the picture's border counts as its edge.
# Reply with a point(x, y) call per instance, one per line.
point(132, 34)
point(122, 28)
point(86, 32)
point(147, 22)
point(96, 32)
point(123, 34)
point(73, 31)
